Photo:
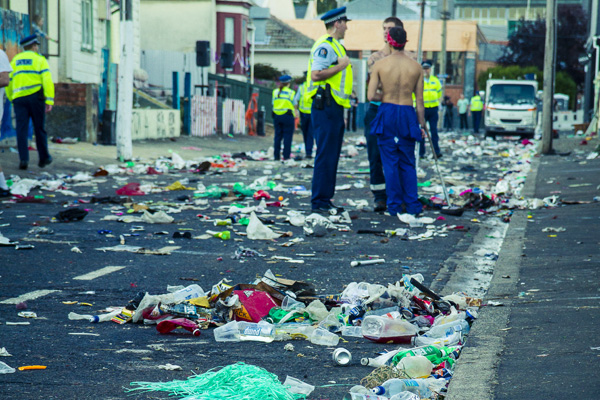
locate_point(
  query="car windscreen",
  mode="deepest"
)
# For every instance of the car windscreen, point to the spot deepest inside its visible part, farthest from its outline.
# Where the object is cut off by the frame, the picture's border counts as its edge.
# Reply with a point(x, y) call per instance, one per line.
point(512, 94)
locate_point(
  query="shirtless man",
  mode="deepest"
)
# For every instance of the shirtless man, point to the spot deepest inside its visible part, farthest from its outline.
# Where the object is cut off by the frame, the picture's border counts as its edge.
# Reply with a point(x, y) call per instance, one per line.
point(396, 124)
point(377, 178)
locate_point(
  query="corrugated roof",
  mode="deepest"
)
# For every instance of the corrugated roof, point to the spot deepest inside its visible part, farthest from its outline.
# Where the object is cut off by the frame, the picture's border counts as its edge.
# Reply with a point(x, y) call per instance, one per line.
point(368, 35)
point(283, 36)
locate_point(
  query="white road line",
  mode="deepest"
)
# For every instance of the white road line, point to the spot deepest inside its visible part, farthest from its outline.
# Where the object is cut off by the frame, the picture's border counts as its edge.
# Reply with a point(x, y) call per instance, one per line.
point(28, 296)
point(95, 274)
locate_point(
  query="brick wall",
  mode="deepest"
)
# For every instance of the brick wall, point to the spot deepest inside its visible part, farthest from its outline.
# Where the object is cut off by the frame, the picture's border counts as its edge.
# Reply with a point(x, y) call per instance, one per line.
point(75, 112)
point(70, 94)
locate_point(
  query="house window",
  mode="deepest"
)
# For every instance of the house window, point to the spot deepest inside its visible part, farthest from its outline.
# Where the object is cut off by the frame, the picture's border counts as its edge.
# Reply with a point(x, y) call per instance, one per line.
point(229, 30)
point(87, 25)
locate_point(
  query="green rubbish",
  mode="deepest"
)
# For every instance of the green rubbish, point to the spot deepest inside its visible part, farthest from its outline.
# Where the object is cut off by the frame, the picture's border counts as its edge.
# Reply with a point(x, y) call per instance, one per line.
point(212, 191)
point(238, 381)
point(424, 184)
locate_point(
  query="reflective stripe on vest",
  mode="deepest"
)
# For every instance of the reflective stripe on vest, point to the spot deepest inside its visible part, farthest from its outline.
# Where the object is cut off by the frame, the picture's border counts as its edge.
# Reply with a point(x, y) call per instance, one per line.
point(305, 102)
point(432, 92)
point(476, 103)
point(283, 100)
point(340, 83)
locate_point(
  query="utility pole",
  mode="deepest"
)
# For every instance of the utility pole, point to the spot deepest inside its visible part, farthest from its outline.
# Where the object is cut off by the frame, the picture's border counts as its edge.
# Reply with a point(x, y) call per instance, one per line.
point(125, 84)
point(549, 66)
point(443, 67)
point(420, 46)
point(394, 7)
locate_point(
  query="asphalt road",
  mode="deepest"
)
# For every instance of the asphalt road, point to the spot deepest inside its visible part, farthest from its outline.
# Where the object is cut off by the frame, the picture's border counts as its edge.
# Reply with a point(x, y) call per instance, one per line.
point(88, 361)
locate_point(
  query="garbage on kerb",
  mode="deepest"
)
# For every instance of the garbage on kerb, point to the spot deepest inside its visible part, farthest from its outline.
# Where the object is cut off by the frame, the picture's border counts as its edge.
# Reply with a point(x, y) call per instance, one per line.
point(273, 309)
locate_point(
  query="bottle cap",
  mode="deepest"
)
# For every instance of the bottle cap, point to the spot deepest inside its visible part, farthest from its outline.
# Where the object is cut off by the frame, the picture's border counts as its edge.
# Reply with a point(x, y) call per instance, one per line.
point(95, 318)
point(378, 390)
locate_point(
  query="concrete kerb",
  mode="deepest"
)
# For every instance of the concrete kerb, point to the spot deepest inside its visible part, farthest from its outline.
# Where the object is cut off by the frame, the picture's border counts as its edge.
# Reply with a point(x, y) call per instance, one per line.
point(476, 372)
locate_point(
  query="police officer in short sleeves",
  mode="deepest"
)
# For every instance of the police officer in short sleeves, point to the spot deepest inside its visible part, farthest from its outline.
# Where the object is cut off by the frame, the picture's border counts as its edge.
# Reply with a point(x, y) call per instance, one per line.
point(329, 84)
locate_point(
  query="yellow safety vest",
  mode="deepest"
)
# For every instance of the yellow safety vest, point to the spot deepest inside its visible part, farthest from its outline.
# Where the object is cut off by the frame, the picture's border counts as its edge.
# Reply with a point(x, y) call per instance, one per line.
point(476, 103)
point(305, 101)
point(340, 83)
point(30, 74)
point(432, 92)
point(283, 100)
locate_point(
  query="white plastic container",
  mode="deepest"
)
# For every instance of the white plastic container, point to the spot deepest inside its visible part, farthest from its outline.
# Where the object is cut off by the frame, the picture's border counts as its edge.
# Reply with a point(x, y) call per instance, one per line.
point(415, 367)
point(384, 330)
point(228, 332)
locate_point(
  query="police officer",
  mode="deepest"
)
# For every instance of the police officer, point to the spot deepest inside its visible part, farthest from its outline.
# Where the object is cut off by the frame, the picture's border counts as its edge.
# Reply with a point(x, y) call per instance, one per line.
point(476, 109)
point(329, 83)
point(304, 103)
point(432, 93)
point(32, 93)
point(283, 108)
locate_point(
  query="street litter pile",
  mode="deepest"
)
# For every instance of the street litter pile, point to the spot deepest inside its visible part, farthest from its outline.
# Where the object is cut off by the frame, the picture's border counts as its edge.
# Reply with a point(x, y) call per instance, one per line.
point(405, 313)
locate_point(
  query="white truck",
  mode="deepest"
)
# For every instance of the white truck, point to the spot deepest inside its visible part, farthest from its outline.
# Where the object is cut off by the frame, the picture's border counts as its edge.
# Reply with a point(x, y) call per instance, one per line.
point(510, 108)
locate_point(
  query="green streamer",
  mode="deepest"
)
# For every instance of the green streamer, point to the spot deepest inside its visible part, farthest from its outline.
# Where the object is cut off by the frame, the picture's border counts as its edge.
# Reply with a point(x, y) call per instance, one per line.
point(238, 381)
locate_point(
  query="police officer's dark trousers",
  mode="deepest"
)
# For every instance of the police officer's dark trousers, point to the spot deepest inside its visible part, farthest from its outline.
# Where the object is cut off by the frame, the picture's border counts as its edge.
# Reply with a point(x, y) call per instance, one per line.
point(328, 130)
point(476, 120)
point(34, 107)
point(307, 134)
point(432, 116)
point(375, 166)
point(284, 130)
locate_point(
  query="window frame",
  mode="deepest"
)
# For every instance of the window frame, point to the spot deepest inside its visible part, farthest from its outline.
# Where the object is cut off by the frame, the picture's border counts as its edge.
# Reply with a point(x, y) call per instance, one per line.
point(87, 27)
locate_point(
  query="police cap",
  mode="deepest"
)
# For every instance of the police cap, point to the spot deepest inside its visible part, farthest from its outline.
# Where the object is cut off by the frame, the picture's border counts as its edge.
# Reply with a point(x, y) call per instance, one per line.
point(31, 39)
point(335, 15)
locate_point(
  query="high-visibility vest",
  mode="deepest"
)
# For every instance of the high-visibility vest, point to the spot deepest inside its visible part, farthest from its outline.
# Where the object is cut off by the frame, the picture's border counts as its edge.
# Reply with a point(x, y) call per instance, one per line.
point(283, 100)
point(30, 74)
point(432, 92)
point(305, 101)
point(476, 103)
point(340, 83)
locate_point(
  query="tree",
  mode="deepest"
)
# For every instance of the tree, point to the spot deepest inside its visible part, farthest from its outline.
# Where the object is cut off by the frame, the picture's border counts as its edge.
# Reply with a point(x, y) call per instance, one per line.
point(266, 71)
point(564, 83)
point(526, 45)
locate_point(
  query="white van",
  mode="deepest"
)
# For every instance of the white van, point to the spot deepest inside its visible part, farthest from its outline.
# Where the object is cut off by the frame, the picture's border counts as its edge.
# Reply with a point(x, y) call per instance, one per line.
point(511, 108)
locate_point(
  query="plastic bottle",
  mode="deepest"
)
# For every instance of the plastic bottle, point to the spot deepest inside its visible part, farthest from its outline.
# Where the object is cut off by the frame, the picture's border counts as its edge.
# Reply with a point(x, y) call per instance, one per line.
point(415, 367)
point(354, 331)
point(104, 317)
point(394, 386)
point(169, 325)
point(439, 331)
point(432, 353)
point(384, 330)
point(324, 338)
point(405, 396)
point(451, 340)
point(228, 332)
point(257, 332)
point(383, 311)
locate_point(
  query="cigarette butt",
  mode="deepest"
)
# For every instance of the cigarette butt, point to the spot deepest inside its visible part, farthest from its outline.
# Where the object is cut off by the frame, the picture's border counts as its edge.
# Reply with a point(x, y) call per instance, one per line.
point(367, 262)
point(28, 367)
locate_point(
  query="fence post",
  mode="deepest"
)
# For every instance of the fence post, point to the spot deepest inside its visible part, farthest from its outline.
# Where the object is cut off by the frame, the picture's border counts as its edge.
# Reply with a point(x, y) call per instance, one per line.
point(187, 109)
point(176, 99)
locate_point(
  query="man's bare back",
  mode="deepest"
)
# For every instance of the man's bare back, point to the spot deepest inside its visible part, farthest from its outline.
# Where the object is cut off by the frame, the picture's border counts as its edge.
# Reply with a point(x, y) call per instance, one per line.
point(399, 76)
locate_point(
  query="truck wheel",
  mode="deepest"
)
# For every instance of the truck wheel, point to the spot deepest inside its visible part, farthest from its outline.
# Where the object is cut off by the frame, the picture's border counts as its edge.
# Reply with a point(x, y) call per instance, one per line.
point(490, 134)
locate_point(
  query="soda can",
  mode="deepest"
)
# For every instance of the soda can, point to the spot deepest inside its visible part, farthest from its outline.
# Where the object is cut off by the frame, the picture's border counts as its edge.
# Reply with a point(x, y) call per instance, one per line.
point(341, 356)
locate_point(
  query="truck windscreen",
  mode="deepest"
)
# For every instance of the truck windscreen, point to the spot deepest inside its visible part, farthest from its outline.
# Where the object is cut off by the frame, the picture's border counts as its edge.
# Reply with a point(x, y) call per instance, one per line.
point(512, 94)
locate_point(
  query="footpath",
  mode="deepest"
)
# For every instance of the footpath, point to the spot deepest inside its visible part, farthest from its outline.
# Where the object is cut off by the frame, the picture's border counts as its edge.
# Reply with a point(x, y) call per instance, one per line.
point(541, 339)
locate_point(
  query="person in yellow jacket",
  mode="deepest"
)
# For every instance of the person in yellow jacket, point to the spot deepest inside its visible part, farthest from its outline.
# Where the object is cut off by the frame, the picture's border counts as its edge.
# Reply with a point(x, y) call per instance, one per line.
point(476, 110)
point(32, 93)
point(283, 118)
point(329, 81)
point(432, 93)
point(303, 103)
